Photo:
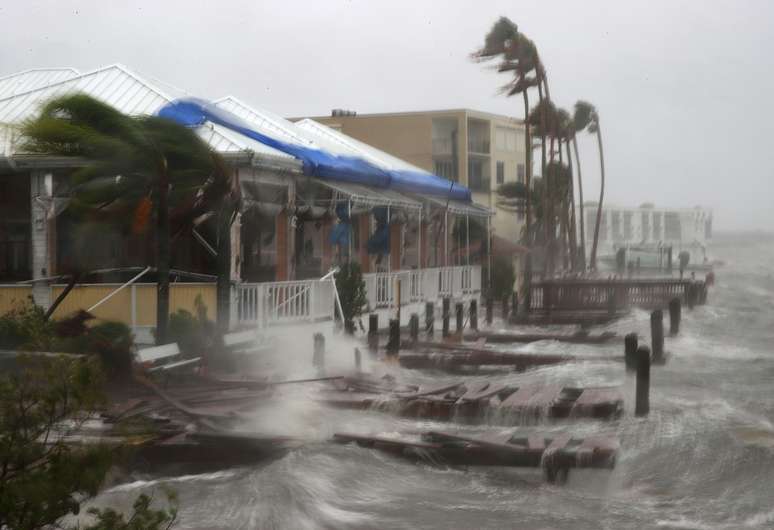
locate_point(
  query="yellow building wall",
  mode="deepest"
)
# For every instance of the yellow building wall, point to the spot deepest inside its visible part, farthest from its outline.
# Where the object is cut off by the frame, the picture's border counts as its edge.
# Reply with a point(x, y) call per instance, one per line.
point(13, 296)
point(119, 306)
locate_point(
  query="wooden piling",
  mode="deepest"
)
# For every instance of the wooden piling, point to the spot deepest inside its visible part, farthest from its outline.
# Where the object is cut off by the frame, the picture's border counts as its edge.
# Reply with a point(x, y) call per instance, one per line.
point(473, 314)
point(675, 312)
point(393, 344)
point(505, 308)
point(318, 357)
point(630, 352)
point(657, 335)
point(357, 359)
point(414, 327)
point(429, 318)
point(489, 310)
point(445, 310)
point(642, 392)
point(460, 314)
point(514, 303)
point(373, 333)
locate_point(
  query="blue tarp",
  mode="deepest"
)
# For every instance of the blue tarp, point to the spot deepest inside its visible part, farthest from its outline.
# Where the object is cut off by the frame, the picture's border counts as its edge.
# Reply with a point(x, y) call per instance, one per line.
point(193, 112)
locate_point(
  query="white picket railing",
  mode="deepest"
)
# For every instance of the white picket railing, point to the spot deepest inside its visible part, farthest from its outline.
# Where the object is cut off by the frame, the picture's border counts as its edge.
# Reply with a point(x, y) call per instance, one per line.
point(422, 285)
point(271, 303)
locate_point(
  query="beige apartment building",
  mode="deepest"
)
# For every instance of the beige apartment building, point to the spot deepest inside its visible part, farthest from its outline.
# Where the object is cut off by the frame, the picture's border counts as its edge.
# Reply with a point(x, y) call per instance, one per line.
point(477, 149)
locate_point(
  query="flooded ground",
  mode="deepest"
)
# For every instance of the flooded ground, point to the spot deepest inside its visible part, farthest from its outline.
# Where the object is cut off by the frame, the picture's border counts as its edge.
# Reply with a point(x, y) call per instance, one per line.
point(703, 458)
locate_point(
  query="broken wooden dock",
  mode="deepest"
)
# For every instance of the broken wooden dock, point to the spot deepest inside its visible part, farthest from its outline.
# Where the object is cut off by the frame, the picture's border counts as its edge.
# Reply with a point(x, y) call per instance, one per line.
point(555, 453)
point(580, 337)
point(484, 401)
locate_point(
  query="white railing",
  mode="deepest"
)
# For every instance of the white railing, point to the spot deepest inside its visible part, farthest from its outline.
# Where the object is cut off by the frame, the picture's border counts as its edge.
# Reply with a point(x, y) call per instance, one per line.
point(422, 285)
point(271, 303)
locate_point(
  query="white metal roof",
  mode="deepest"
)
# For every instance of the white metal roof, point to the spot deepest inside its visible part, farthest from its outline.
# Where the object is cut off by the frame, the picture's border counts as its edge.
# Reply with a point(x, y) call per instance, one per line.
point(126, 91)
point(27, 80)
point(277, 127)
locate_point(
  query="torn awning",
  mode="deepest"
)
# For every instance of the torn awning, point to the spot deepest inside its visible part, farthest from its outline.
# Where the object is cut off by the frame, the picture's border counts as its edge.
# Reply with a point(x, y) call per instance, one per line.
point(459, 207)
point(366, 196)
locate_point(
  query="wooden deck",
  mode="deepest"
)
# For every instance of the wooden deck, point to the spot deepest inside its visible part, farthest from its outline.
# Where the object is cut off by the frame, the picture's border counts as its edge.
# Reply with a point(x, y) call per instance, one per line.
point(555, 453)
point(612, 295)
point(483, 401)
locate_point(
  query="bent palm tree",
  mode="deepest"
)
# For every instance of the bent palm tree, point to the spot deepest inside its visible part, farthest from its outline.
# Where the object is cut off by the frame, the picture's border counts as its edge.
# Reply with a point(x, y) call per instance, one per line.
point(586, 117)
point(517, 54)
point(135, 167)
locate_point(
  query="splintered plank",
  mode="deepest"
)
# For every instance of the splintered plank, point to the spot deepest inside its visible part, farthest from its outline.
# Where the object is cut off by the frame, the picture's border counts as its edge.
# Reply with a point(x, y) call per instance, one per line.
point(117, 411)
point(433, 391)
point(536, 442)
point(366, 440)
point(481, 390)
point(597, 402)
point(532, 398)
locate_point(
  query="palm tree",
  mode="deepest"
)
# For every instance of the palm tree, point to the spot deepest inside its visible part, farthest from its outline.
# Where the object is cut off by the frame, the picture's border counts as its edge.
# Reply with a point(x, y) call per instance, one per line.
point(578, 124)
point(586, 117)
point(517, 54)
point(135, 168)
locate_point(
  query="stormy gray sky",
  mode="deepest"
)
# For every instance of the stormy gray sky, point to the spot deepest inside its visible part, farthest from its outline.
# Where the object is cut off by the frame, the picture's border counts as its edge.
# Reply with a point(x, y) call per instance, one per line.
point(683, 88)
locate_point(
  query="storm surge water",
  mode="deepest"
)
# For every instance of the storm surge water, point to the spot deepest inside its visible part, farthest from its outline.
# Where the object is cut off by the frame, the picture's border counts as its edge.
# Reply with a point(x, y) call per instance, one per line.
point(703, 458)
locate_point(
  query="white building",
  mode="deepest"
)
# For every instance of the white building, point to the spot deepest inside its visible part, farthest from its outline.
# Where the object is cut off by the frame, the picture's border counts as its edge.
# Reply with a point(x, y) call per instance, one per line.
point(648, 227)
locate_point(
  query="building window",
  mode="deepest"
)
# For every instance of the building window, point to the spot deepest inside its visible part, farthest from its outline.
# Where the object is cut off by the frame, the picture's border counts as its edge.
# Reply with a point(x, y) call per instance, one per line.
point(445, 168)
point(505, 139)
point(500, 172)
point(478, 176)
point(520, 173)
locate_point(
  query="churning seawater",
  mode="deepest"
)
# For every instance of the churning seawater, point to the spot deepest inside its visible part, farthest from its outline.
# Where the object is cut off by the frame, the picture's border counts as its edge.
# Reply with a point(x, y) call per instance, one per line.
point(703, 458)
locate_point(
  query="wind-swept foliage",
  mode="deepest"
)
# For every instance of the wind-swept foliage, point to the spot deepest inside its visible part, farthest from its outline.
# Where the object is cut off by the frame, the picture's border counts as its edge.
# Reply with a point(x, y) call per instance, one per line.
point(587, 118)
point(135, 169)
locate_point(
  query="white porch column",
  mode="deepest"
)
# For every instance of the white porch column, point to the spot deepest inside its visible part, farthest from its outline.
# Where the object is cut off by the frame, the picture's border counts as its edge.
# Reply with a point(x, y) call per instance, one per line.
point(41, 192)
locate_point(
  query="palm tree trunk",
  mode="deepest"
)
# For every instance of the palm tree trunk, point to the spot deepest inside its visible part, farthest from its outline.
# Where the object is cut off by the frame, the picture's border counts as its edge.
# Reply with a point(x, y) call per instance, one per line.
point(223, 286)
point(72, 282)
point(162, 256)
point(573, 217)
point(527, 168)
point(543, 173)
point(580, 200)
point(593, 261)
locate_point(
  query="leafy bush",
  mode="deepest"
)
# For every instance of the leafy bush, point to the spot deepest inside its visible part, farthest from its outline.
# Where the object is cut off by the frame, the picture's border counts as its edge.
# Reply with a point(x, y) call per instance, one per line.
point(195, 334)
point(352, 294)
point(26, 328)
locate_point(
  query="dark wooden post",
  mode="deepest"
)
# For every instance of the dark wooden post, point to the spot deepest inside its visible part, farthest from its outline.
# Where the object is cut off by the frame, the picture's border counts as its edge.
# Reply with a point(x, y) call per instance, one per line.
point(393, 344)
point(373, 333)
point(690, 291)
point(514, 303)
point(357, 359)
point(429, 317)
point(460, 310)
point(611, 300)
point(642, 392)
point(445, 310)
point(505, 308)
point(474, 314)
point(630, 352)
point(657, 335)
point(675, 310)
point(318, 357)
point(414, 327)
point(489, 310)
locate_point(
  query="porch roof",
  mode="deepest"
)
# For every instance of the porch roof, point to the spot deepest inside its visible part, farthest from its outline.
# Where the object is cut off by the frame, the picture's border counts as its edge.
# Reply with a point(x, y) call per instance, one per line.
point(458, 207)
point(367, 196)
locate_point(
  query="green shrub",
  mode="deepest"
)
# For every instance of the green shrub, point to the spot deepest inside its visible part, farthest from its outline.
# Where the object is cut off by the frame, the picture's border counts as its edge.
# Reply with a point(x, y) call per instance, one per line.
point(26, 328)
point(195, 334)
